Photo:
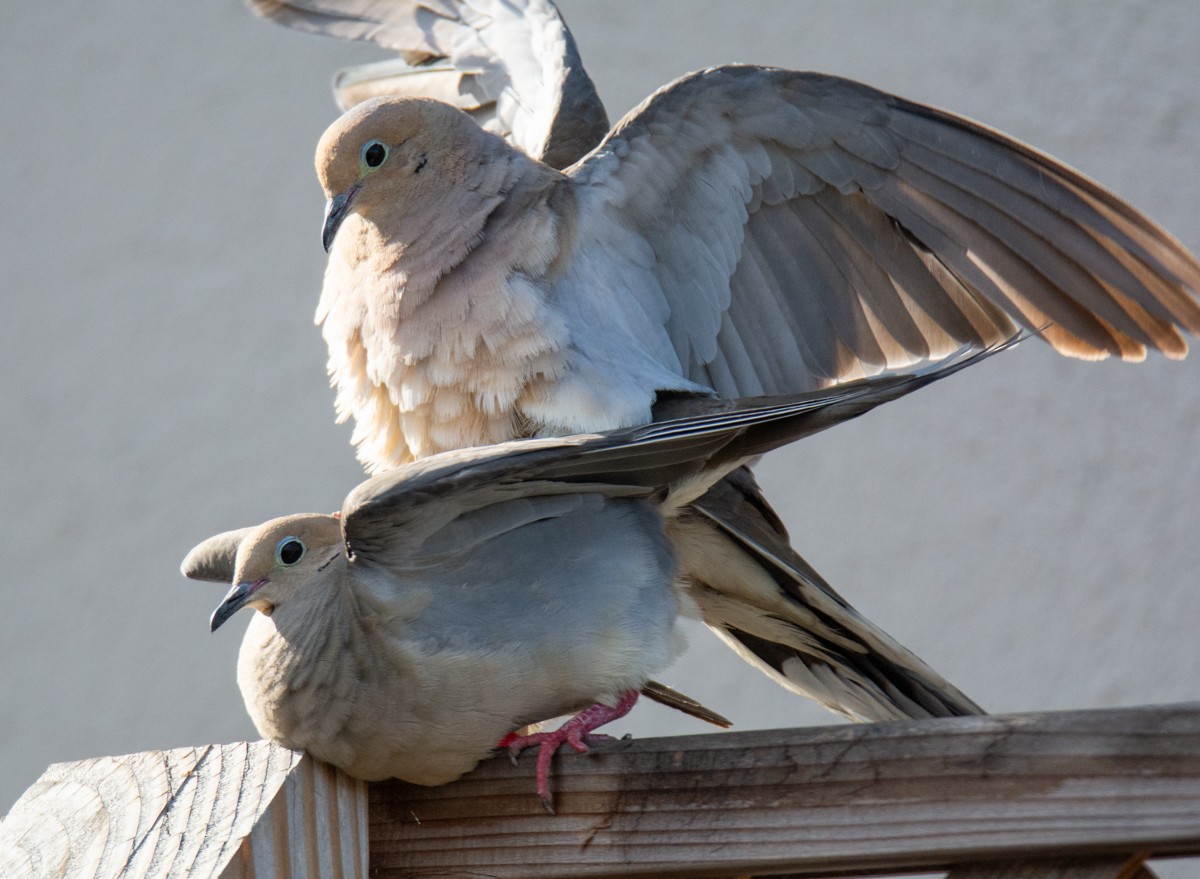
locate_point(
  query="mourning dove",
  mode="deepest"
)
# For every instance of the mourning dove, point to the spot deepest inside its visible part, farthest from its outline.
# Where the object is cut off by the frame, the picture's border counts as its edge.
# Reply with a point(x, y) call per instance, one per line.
point(744, 231)
point(474, 592)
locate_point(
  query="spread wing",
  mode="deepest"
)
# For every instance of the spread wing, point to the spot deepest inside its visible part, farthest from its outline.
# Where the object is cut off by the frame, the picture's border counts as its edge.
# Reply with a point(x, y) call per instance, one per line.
point(448, 502)
point(512, 64)
point(771, 230)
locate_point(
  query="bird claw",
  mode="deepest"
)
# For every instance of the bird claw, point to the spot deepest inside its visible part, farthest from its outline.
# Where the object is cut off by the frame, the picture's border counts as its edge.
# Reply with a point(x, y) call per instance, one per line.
point(597, 739)
point(576, 732)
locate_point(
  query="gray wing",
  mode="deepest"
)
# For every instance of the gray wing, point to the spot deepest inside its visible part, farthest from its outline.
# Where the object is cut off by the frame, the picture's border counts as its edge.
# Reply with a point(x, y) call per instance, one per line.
point(787, 230)
point(448, 502)
point(512, 64)
point(214, 559)
point(491, 533)
point(411, 512)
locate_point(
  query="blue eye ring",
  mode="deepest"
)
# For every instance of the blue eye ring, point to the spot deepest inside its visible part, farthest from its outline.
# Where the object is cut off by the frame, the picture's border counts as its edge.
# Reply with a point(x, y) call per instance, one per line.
point(374, 153)
point(289, 551)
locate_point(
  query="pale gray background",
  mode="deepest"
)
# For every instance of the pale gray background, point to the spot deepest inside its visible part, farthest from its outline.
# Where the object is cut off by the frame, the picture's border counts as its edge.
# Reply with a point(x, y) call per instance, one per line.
point(1028, 527)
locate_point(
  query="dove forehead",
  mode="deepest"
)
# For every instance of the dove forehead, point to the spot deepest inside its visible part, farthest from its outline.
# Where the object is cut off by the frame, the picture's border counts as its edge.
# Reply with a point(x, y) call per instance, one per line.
point(256, 556)
point(389, 119)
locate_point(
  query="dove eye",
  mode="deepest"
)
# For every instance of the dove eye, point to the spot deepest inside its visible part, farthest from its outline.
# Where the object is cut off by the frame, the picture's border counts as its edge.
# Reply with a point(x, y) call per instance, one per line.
point(289, 551)
point(374, 153)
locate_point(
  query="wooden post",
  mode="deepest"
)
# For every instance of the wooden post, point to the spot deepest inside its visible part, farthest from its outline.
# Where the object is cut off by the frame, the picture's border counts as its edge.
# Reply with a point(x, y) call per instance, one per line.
point(228, 811)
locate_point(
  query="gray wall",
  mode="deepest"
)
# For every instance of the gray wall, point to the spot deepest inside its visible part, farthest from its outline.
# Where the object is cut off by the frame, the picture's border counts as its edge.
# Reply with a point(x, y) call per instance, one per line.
point(1029, 527)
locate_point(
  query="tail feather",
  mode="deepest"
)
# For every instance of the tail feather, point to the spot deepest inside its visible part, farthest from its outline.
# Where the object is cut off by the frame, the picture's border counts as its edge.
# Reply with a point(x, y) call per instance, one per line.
point(777, 612)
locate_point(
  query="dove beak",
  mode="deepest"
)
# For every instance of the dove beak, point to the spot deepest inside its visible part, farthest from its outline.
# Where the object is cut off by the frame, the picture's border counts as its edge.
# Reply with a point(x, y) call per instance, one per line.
point(335, 212)
point(234, 600)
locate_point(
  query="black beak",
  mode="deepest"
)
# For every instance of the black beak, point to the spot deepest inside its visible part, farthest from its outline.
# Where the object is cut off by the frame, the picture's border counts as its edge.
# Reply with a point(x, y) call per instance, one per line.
point(234, 601)
point(335, 212)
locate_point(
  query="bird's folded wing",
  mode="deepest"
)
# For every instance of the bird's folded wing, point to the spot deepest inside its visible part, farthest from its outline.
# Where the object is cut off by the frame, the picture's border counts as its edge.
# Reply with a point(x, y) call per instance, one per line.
point(778, 230)
point(512, 64)
point(411, 512)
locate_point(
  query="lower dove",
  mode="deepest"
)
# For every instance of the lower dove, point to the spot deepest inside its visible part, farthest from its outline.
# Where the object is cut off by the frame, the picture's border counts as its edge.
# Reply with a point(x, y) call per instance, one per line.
point(464, 596)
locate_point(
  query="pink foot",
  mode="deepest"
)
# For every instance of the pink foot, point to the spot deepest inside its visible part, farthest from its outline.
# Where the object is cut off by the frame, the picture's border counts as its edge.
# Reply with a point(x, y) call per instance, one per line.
point(576, 732)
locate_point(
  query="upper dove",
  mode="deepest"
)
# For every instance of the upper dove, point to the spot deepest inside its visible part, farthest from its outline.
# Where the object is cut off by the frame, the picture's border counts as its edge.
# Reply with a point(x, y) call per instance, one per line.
point(502, 265)
point(461, 597)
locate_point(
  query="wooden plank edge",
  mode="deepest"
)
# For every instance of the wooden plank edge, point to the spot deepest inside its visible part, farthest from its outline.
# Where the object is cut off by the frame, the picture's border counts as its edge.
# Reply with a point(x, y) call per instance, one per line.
point(914, 795)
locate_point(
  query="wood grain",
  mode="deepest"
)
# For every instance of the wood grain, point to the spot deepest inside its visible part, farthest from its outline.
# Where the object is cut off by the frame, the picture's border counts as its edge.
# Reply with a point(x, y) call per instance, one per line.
point(232, 811)
point(815, 802)
point(314, 828)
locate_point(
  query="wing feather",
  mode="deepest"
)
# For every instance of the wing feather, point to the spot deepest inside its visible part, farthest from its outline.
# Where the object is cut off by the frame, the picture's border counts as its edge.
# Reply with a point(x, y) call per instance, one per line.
point(512, 64)
point(988, 265)
point(399, 515)
point(741, 364)
point(1045, 240)
point(919, 291)
point(773, 329)
point(807, 230)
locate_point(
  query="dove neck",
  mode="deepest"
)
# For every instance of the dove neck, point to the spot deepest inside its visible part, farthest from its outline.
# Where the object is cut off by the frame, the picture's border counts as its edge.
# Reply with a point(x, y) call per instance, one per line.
point(509, 211)
point(294, 632)
point(293, 621)
point(303, 646)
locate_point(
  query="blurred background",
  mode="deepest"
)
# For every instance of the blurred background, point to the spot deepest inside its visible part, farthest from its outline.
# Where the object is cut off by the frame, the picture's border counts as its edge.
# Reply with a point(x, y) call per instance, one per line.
point(1028, 527)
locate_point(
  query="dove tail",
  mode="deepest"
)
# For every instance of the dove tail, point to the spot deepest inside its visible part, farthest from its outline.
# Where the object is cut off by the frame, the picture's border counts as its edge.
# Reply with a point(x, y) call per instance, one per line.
point(785, 619)
point(862, 687)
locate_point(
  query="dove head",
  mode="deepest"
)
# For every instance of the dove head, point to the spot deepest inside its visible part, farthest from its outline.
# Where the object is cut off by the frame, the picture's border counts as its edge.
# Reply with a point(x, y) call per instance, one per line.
point(277, 560)
point(390, 159)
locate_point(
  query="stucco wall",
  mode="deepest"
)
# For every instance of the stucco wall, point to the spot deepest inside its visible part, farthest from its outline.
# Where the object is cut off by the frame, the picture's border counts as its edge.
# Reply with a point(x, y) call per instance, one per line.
point(1029, 527)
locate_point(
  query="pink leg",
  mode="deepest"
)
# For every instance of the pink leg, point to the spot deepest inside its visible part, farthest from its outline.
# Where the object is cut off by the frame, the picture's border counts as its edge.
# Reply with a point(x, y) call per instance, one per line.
point(576, 732)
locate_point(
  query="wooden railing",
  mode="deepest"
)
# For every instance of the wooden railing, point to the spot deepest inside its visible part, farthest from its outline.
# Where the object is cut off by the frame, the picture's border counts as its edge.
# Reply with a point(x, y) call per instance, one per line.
point(1071, 795)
